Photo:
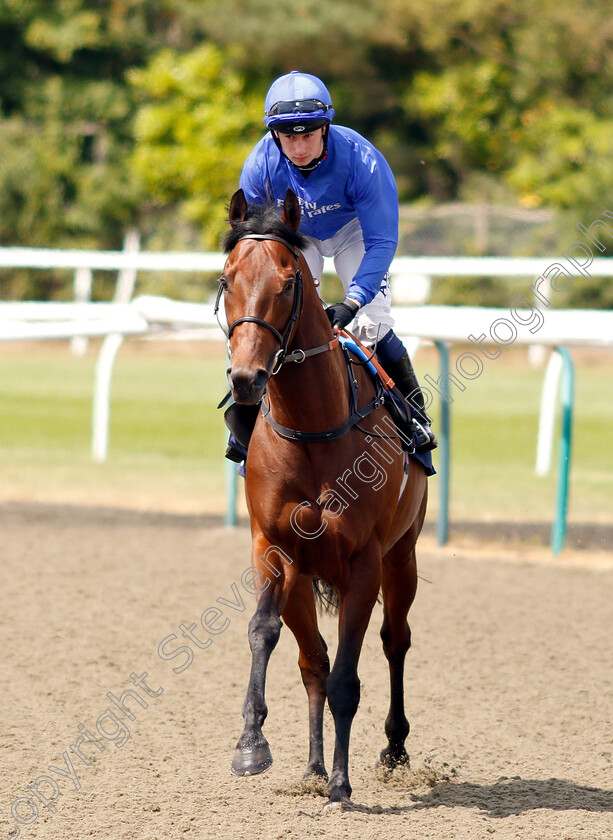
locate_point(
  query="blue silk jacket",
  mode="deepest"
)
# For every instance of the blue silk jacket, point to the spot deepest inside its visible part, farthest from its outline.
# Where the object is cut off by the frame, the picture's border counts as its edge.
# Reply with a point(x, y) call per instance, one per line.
point(353, 181)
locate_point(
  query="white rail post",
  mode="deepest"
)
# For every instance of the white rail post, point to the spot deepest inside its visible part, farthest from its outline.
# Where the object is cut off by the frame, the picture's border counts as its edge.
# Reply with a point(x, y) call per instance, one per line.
point(126, 279)
point(102, 396)
point(547, 415)
point(82, 294)
point(101, 407)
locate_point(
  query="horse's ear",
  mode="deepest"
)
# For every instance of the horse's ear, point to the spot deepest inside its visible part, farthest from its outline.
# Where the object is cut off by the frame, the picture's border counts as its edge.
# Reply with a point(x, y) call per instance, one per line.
point(238, 208)
point(291, 210)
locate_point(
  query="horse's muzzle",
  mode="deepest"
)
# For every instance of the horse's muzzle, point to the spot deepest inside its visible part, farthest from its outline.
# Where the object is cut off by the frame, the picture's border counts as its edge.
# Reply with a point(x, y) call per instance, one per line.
point(247, 385)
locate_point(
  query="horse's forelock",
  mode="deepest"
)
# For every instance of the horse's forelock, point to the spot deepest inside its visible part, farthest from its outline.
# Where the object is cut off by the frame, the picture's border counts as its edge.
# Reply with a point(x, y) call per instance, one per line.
point(263, 219)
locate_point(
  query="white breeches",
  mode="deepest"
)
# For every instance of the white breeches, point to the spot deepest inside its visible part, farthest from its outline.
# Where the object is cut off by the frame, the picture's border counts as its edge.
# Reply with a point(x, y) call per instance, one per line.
point(374, 320)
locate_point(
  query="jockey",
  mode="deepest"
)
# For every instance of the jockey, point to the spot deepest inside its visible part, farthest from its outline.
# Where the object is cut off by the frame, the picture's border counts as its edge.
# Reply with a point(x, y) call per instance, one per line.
point(349, 205)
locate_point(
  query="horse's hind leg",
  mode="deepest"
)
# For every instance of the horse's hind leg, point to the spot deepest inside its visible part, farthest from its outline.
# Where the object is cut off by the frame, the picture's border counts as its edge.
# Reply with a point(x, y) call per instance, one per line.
point(301, 617)
point(398, 584)
point(343, 683)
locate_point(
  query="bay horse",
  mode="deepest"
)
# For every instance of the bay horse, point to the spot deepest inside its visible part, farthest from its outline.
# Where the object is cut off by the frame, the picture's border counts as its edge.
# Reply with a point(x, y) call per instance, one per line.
point(317, 511)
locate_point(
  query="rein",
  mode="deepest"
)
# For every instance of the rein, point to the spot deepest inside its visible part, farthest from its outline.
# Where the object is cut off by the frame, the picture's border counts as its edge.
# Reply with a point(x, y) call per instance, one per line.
point(299, 356)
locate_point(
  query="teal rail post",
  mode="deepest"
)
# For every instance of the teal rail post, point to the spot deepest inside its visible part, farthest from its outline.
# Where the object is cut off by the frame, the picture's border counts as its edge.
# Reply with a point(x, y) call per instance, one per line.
point(567, 388)
point(231, 518)
point(444, 450)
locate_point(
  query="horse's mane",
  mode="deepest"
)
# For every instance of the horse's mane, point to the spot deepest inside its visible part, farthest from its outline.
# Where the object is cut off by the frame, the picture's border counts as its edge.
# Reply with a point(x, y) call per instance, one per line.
point(262, 219)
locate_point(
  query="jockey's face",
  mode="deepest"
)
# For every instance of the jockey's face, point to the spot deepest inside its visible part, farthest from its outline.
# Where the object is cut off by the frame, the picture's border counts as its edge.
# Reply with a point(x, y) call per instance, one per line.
point(301, 149)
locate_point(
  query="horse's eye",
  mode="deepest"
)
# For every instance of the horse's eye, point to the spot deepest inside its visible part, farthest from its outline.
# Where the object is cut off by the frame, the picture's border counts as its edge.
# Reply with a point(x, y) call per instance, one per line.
point(289, 285)
point(223, 283)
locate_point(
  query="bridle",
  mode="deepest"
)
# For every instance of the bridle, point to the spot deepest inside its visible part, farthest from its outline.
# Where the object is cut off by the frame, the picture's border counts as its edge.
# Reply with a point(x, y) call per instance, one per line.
point(281, 356)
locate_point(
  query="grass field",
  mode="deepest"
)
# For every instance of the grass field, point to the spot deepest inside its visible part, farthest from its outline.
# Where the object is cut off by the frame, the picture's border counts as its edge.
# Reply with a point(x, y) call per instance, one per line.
point(167, 437)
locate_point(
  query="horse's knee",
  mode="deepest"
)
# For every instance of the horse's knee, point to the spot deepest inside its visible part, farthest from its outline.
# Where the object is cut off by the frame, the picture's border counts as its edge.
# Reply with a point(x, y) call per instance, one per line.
point(343, 692)
point(264, 630)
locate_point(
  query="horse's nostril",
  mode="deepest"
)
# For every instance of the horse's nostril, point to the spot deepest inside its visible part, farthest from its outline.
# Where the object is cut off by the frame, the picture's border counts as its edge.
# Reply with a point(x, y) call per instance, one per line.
point(247, 384)
point(260, 379)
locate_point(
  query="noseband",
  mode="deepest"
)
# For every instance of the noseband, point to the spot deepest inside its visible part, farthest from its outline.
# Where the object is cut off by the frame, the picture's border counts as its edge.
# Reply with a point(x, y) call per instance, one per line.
point(284, 337)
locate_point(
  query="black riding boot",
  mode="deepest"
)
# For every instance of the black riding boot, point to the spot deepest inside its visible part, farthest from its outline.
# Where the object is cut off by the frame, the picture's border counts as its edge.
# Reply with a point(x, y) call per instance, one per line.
point(240, 420)
point(404, 376)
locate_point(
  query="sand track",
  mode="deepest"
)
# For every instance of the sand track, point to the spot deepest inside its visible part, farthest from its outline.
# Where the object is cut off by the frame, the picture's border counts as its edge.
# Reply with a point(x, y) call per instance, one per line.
point(509, 692)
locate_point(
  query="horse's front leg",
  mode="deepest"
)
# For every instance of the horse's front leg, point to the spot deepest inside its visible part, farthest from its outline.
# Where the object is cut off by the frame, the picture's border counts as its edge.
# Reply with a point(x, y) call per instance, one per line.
point(252, 754)
point(276, 579)
point(343, 683)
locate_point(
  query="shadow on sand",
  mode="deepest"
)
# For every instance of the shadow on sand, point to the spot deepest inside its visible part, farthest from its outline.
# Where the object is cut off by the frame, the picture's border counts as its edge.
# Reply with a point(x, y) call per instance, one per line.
point(508, 797)
point(505, 798)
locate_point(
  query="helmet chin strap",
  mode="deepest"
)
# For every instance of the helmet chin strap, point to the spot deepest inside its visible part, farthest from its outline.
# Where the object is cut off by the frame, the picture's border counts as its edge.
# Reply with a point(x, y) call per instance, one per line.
point(314, 163)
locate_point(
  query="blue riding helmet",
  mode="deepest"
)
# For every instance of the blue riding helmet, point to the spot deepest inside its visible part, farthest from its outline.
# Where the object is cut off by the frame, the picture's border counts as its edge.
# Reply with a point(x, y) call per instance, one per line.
point(297, 102)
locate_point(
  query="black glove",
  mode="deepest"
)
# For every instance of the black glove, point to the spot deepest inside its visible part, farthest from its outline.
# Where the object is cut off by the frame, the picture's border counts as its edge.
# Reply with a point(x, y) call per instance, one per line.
point(343, 313)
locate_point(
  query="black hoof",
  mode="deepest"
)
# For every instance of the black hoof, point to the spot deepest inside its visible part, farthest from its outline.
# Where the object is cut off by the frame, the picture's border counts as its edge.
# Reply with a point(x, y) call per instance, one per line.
point(250, 762)
point(317, 771)
point(394, 758)
point(339, 794)
point(343, 803)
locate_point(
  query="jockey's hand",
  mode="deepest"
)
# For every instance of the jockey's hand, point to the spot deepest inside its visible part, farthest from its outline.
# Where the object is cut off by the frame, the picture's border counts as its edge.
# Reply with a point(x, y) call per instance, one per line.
point(343, 313)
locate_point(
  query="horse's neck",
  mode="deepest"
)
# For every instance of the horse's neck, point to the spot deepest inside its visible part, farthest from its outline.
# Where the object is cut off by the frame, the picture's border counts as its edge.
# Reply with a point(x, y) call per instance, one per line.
point(312, 395)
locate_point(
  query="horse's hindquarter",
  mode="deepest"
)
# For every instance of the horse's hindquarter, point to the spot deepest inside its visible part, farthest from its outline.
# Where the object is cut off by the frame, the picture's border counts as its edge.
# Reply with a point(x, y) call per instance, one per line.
point(411, 508)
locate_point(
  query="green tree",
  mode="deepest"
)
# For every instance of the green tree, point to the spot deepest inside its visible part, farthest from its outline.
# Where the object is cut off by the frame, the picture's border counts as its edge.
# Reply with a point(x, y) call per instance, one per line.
point(453, 91)
point(65, 121)
point(520, 91)
point(66, 112)
point(193, 130)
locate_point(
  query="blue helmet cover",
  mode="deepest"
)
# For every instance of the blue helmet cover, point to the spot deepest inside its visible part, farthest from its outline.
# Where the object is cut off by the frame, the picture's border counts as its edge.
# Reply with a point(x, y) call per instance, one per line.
point(297, 86)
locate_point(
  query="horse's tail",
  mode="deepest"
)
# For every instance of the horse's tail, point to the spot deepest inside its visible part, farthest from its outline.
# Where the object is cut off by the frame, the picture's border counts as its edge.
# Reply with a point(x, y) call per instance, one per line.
point(325, 597)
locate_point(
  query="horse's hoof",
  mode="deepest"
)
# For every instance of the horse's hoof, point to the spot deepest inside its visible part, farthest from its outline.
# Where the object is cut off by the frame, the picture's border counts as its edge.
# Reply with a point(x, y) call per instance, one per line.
point(344, 804)
point(339, 796)
point(315, 773)
point(394, 758)
point(250, 762)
